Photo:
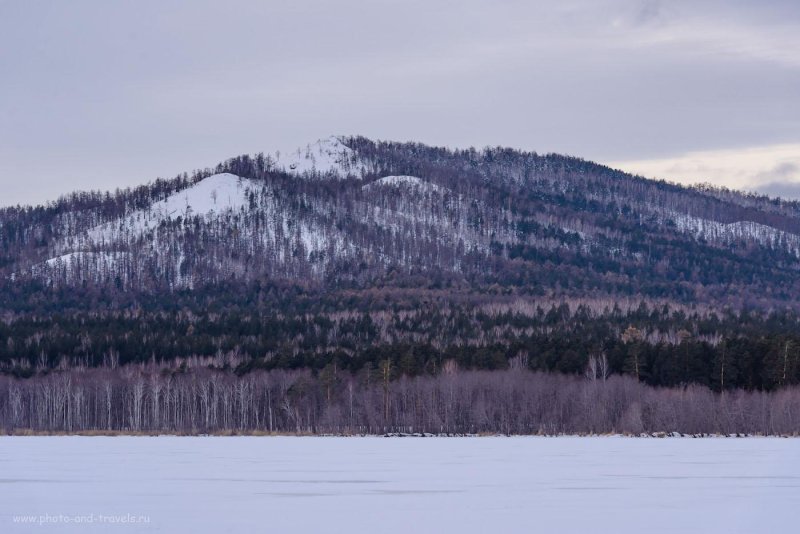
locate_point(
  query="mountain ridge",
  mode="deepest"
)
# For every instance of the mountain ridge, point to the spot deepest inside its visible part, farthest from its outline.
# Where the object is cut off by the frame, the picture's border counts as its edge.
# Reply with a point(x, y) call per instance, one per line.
point(340, 201)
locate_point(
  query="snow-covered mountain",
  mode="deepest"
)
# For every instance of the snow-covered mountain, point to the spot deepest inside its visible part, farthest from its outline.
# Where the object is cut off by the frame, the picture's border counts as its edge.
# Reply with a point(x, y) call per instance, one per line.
point(352, 210)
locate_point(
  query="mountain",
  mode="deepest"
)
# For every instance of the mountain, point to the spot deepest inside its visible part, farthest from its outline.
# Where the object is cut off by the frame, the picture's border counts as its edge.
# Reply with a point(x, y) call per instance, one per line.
point(351, 244)
point(350, 209)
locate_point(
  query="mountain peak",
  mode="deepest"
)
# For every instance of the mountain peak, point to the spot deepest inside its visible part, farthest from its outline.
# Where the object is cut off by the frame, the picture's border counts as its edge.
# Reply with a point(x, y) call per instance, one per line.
point(325, 157)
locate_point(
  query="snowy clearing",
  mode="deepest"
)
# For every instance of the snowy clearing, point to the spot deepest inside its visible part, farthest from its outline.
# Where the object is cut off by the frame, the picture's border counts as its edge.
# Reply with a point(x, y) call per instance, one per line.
point(214, 195)
point(325, 157)
point(411, 183)
point(401, 485)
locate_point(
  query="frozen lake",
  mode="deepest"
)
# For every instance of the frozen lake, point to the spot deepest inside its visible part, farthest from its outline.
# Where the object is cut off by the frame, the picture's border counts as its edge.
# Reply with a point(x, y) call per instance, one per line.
point(399, 485)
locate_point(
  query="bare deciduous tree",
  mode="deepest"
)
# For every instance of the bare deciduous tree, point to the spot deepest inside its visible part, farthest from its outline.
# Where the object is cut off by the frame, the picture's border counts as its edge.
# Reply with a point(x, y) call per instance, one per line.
point(148, 398)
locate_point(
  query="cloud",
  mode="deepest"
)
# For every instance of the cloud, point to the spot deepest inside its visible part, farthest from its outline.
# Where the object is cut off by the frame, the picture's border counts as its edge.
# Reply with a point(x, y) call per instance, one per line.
point(781, 181)
point(770, 168)
point(105, 94)
point(781, 172)
point(729, 40)
point(788, 190)
point(648, 12)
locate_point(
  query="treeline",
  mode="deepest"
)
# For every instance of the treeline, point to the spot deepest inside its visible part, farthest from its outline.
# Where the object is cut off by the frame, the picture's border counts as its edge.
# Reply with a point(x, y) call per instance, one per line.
point(151, 399)
point(247, 329)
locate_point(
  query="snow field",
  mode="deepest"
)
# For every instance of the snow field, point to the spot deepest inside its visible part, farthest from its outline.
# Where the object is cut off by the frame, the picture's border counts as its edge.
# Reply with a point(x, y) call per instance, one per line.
point(401, 485)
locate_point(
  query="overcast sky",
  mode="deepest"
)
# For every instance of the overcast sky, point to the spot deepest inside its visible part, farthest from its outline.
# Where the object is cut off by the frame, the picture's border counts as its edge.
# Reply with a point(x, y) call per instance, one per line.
point(99, 94)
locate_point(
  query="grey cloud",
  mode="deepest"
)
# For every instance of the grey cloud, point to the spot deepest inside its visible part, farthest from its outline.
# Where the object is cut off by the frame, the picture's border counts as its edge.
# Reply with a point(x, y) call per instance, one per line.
point(649, 11)
point(780, 173)
point(782, 181)
point(102, 94)
point(787, 190)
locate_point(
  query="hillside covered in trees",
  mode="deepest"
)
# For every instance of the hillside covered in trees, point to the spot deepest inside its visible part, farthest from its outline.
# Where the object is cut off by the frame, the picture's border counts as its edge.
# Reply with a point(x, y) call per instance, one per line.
point(354, 258)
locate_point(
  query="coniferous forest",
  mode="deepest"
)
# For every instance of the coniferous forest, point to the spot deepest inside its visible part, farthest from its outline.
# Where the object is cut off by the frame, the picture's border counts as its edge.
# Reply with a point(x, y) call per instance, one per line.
point(360, 287)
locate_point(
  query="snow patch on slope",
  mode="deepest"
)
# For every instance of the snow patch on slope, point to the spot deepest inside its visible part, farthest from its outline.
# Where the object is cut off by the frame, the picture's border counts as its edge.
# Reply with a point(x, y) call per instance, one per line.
point(73, 265)
point(66, 260)
point(209, 198)
point(741, 230)
point(212, 196)
point(282, 237)
point(413, 183)
point(326, 157)
point(216, 193)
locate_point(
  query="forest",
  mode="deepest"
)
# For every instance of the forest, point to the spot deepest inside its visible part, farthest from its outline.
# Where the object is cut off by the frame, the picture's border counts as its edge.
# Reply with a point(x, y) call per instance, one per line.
point(356, 268)
point(146, 399)
point(243, 328)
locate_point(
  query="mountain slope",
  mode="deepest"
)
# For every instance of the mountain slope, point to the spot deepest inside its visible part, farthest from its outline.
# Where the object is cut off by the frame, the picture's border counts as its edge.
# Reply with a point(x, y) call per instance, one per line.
point(350, 210)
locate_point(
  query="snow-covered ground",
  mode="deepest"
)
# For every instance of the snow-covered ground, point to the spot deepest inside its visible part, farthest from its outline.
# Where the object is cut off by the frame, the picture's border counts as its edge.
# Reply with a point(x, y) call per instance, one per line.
point(325, 157)
point(400, 485)
point(408, 183)
point(216, 194)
